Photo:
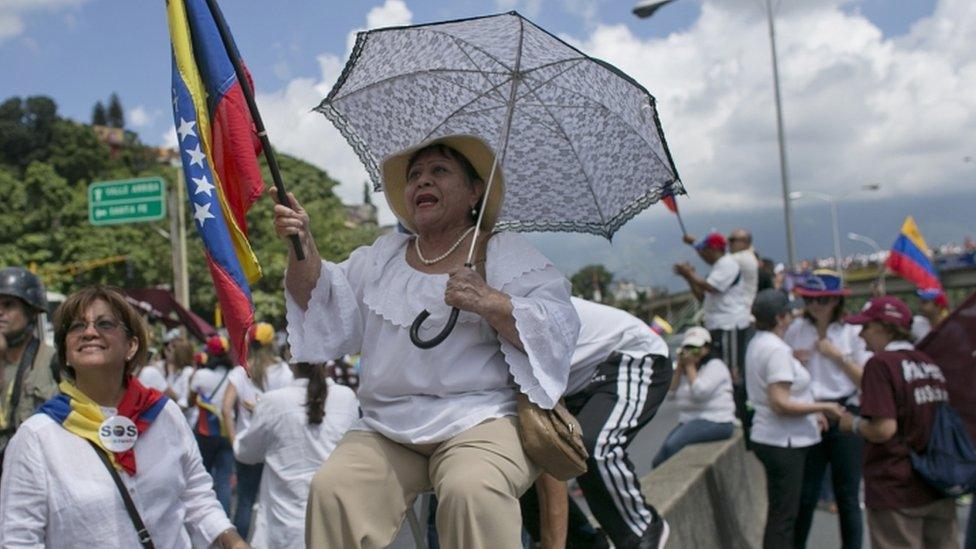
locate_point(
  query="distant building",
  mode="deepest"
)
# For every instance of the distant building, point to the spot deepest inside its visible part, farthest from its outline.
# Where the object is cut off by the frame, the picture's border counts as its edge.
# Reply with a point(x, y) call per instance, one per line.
point(167, 156)
point(116, 138)
point(624, 290)
point(361, 215)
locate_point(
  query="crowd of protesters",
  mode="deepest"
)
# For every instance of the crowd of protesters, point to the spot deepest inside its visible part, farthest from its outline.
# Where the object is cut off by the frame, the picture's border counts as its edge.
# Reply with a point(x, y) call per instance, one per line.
point(819, 392)
point(107, 446)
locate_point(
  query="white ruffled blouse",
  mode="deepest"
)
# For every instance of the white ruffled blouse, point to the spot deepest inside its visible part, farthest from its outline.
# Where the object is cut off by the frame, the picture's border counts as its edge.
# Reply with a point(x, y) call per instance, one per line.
point(367, 303)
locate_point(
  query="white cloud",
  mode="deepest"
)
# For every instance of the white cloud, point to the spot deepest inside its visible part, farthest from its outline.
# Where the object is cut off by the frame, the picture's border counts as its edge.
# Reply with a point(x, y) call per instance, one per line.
point(296, 130)
point(528, 8)
point(858, 108)
point(12, 13)
point(168, 138)
point(140, 117)
point(391, 13)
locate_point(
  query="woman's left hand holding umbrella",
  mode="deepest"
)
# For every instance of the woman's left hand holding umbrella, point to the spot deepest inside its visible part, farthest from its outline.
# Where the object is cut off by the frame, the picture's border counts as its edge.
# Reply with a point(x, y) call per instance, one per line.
point(301, 276)
point(468, 291)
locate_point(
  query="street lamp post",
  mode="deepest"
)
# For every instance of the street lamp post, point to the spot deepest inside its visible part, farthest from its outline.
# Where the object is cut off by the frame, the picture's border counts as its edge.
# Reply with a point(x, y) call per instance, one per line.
point(877, 250)
point(780, 135)
point(646, 8)
point(833, 200)
point(796, 195)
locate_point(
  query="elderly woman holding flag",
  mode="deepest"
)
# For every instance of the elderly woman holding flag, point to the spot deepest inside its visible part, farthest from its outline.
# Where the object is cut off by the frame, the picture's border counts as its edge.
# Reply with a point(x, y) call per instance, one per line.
point(441, 418)
point(107, 462)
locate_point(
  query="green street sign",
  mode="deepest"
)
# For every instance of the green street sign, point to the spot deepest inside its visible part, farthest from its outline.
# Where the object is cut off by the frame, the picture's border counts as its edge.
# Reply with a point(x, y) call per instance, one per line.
point(127, 201)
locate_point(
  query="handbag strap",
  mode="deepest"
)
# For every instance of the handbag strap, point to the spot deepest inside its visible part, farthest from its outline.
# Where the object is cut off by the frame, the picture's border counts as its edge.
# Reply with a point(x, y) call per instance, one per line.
point(130, 507)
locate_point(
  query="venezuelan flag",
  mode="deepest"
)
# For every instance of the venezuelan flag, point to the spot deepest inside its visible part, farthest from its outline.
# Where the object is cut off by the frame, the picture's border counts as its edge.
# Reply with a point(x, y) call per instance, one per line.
point(219, 154)
point(909, 258)
point(209, 422)
point(660, 326)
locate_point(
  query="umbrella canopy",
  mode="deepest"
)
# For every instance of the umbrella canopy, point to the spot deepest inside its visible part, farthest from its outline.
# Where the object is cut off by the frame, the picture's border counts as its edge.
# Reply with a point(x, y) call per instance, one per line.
point(579, 142)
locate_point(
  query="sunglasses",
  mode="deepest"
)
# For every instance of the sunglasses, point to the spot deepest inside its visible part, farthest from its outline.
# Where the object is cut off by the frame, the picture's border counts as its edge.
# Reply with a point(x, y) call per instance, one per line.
point(103, 325)
point(820, 299)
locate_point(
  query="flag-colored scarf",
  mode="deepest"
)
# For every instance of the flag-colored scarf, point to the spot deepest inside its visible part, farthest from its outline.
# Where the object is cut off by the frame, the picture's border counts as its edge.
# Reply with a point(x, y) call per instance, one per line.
point(82, 416)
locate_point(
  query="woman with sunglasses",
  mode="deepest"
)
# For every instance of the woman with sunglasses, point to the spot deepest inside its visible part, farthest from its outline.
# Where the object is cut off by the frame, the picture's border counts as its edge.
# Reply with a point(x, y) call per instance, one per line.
point(107, 462)
point(702, 390)
point(834, 354)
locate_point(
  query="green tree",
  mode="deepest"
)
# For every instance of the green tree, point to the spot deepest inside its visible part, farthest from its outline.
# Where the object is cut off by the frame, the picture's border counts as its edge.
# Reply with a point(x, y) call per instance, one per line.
point(46, 164)
point(26, 129)
point(591, 278)
point(116, 116)
point(99, 118)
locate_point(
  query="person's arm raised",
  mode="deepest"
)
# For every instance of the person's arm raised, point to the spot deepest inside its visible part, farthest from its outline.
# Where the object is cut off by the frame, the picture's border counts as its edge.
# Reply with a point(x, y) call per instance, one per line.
point(301, 276)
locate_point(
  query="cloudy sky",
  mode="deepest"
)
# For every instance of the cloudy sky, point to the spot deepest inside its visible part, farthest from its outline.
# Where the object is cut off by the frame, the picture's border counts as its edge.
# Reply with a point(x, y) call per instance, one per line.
point(874, 92)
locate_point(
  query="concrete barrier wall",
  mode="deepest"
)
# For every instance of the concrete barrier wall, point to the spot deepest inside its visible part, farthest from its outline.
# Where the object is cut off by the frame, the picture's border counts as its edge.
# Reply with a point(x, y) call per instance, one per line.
point(713, 495)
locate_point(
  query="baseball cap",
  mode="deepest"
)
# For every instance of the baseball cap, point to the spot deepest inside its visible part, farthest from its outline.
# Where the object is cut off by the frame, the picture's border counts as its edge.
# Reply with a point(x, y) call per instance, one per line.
point(886, 309)
point(712, 240)
point(769, 304)
point(696, 336)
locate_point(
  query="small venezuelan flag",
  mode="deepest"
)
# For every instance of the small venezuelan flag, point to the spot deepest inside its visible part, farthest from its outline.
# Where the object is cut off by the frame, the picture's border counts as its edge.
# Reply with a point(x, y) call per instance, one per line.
point(909, 258)
point(209, 422)
point(219, 150)
point(660, 326)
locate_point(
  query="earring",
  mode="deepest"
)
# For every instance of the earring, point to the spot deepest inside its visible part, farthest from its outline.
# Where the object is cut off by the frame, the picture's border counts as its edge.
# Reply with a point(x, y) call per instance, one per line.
point(474, 211)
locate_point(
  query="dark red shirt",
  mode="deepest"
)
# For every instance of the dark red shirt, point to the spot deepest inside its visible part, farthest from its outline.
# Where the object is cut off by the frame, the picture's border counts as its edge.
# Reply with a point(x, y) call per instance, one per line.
point(903, 384)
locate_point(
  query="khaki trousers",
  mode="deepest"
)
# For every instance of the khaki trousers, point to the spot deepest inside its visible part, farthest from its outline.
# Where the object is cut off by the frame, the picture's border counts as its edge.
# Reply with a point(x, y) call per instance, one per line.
point(360, 495)
point(931, 526)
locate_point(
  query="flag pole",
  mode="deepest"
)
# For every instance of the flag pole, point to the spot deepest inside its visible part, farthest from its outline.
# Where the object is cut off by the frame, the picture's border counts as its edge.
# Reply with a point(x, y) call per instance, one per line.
point(269, 154)
point(681, 223)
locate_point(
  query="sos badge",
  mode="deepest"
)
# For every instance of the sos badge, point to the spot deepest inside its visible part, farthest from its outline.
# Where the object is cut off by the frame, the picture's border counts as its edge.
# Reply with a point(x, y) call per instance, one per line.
point(118, 434)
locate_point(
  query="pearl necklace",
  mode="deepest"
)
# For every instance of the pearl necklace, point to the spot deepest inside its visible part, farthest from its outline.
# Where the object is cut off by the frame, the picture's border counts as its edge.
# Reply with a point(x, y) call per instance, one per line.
point(425, 261)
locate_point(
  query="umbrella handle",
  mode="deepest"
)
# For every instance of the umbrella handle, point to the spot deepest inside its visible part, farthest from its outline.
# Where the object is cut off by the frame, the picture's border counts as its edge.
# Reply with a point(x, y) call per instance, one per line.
point(439, 338)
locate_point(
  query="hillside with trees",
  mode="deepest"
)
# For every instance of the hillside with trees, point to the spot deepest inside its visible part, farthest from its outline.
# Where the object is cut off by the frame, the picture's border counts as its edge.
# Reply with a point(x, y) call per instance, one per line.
point(46, 165)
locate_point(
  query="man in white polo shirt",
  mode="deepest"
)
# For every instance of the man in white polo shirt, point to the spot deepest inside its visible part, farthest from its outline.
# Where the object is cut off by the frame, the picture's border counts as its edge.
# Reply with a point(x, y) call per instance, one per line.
point(726, 303)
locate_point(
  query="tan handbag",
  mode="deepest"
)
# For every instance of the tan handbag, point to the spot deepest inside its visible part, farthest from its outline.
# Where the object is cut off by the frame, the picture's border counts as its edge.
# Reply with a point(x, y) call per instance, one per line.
point(553, 439)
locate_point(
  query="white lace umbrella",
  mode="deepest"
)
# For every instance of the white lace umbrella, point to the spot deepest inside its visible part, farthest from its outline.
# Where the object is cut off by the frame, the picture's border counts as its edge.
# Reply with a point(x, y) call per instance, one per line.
point(579, 142)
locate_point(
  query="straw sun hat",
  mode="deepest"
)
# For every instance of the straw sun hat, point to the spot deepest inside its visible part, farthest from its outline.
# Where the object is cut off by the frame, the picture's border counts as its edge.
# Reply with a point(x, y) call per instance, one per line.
point(477, 152)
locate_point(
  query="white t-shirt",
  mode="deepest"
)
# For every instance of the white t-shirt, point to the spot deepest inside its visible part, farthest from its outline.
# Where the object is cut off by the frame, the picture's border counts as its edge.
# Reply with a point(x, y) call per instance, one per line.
point(180, 383)
point(710, 398)
point(151, 376)
point(920, 327)
point(771, 360)
point(829, 382)
point(292, 450)
point(749, 271)
point(730, 306)
point(276, 376)
point(205, 381)
point(605, 330)
point(57, 493)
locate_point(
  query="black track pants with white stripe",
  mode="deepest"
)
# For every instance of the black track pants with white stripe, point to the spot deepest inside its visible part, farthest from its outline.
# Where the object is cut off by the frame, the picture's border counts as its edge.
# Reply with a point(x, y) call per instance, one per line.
point(622, 397)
